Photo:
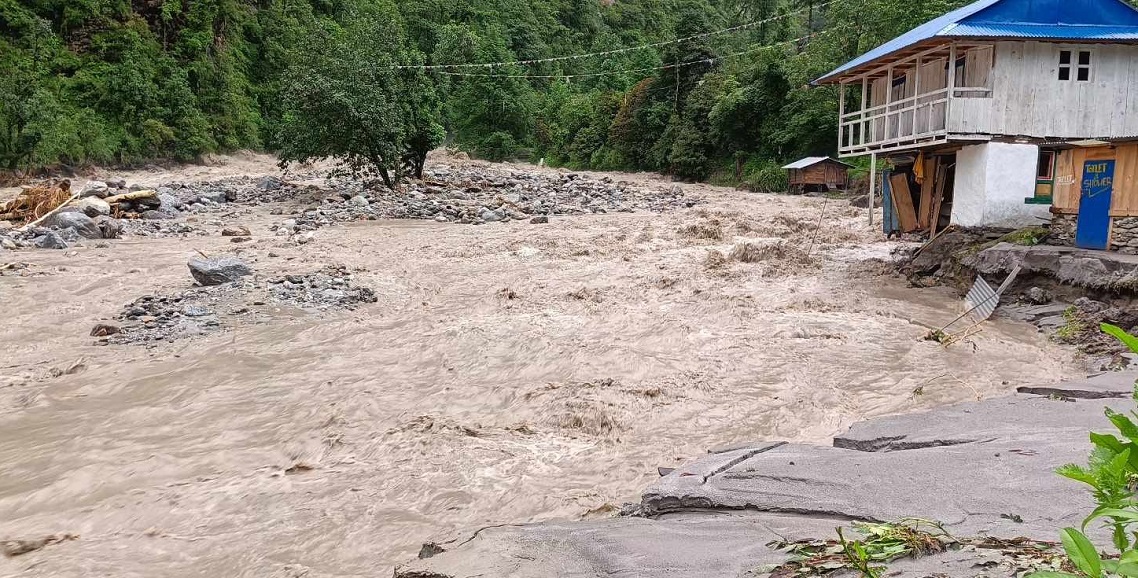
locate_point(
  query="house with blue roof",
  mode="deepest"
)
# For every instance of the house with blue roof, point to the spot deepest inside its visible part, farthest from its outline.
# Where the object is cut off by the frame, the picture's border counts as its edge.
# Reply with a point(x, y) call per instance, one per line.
point(1005, 113)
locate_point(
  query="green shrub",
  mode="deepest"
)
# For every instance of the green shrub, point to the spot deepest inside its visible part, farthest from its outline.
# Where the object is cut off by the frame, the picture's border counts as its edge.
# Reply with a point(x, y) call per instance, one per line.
point(1110, 472)
point(769, 177)
point(498, 146)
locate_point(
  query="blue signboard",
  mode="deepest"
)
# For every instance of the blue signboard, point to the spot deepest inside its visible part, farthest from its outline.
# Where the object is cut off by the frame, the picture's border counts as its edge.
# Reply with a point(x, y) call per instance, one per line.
point(1093, 229)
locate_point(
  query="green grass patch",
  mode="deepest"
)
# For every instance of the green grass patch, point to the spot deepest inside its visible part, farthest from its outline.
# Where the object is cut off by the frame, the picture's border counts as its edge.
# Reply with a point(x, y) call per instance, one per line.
point(1028, 236)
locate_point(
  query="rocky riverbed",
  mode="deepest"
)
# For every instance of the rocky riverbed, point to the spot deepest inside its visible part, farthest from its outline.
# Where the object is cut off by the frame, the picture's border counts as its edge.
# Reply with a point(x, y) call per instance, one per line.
point(374, 382)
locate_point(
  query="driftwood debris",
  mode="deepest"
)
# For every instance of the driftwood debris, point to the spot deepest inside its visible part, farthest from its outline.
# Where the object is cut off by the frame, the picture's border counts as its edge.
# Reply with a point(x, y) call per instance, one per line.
point(36, 203)
point(131, 196)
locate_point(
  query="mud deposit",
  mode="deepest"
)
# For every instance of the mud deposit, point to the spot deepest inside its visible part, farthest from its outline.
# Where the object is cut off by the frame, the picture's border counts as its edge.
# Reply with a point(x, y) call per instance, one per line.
point(505, 372)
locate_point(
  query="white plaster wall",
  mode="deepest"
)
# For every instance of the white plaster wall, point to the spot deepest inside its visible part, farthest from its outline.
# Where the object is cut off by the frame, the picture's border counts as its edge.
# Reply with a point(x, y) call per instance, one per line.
point(992, 181)
point(969, 192)
point(1011, 179)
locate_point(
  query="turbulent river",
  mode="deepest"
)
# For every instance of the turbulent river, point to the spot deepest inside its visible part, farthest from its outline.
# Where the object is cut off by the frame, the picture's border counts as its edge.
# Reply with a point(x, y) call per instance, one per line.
point(509, 372)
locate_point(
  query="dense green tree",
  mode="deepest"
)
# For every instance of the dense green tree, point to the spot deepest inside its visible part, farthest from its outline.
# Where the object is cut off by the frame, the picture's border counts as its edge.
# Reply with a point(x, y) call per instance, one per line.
point(23, 85)
point(345, 98)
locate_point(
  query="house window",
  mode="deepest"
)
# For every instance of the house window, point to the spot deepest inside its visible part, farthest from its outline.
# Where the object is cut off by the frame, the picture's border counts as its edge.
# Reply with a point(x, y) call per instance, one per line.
point(1046, 170)
point(1044, 179)
point(1075, 65)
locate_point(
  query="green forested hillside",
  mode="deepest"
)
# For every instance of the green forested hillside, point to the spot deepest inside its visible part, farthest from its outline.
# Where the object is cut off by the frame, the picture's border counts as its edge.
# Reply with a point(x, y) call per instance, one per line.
point(122, 81)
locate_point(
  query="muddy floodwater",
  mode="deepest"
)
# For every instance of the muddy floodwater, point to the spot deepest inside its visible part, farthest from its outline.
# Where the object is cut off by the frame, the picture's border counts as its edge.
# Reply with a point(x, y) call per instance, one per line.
point(509, 372)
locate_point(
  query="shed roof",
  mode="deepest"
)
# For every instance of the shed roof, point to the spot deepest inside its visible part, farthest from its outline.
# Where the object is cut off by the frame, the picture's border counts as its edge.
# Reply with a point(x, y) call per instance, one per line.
point(811, 161)
point(1059, 20)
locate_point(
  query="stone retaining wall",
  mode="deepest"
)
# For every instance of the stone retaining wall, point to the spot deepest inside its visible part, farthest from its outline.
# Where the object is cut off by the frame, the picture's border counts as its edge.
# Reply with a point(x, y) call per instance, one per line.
point(1124, 235)
point(1063, 229)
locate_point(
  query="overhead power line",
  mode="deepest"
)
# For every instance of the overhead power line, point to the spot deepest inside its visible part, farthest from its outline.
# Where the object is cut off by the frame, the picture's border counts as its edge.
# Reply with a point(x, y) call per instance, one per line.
point(617, 50)
point(710, 60)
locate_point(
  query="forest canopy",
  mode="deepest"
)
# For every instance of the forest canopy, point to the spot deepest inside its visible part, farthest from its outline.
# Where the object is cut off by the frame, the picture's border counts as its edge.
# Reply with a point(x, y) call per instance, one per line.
point(121, 82)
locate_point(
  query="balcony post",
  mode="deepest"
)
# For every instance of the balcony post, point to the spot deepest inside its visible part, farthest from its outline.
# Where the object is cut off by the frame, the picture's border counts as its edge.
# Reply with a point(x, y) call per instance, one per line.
point(889, 103)
point(916, 96)
point(841, 114)
point(864, 124)
point(951, 81)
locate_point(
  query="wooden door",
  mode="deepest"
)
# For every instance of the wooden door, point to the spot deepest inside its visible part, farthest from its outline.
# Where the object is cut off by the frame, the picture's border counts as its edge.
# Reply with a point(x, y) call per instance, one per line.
point(1093, 230)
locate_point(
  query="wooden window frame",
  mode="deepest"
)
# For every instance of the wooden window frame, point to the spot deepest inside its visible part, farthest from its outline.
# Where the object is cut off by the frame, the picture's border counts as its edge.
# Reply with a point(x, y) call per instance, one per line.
point(1073, 68)
point(1050, 177)
point(1049, 180)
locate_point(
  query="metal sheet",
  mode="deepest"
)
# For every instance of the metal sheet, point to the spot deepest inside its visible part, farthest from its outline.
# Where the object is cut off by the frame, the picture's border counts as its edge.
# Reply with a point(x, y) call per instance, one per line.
point(811, 161)
point(982, 300)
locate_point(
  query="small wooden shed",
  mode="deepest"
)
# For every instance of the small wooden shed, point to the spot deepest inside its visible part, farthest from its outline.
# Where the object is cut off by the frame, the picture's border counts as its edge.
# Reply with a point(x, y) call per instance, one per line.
point(818, 174)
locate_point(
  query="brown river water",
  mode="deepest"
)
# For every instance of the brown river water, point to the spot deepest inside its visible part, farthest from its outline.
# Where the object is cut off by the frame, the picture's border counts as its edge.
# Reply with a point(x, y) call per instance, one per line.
point(509, 372)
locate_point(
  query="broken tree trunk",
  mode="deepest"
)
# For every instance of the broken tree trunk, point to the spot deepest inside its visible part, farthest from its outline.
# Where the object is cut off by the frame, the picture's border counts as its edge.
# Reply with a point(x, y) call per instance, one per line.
point(132, 196)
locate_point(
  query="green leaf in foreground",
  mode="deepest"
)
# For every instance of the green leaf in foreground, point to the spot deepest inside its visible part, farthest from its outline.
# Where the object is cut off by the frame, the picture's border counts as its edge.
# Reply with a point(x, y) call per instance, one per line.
point(1126, 338)
point(1081, 552)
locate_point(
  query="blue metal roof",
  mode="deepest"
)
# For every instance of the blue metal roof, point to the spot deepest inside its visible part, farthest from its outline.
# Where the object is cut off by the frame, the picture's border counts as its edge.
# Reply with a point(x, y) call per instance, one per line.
point(1075, 20)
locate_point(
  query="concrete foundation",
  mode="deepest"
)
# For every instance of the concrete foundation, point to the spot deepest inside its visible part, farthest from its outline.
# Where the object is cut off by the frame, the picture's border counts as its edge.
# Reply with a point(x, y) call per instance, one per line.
point(992, 181)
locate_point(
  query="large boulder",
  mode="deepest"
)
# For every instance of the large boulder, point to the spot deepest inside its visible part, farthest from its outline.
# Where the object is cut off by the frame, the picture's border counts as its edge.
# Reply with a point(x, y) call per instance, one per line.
point(50, 240)
point(219, 196)
point(218, 270)
point(85, 226)
point(269, 183)
point(170, 202)
point(148, 202)
point(95, 189)
point(489, 216)
point(92, 206)
point(109, 228)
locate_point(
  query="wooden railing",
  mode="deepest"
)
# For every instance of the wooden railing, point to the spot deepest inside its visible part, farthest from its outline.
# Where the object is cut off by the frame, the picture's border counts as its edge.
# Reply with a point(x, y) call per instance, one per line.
point(915, 120)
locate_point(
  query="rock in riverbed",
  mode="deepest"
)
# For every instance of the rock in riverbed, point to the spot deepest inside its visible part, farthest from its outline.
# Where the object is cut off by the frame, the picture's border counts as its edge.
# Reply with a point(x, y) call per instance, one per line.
point(92, 206)
point(97, 189)
point(83, 225)
point(218, 270)
point(235, 232)
point(50, 240)
point(105, 329)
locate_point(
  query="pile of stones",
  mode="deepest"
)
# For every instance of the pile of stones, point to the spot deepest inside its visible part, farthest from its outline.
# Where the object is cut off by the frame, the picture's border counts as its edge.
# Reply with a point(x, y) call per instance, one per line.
point(152, 318)
point(228, 293)
point(330, 287)
point(464, 194)
point(62, 230)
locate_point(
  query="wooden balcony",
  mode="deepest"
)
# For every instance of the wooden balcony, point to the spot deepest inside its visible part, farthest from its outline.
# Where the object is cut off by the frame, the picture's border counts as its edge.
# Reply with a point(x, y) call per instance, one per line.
point(905, 103)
